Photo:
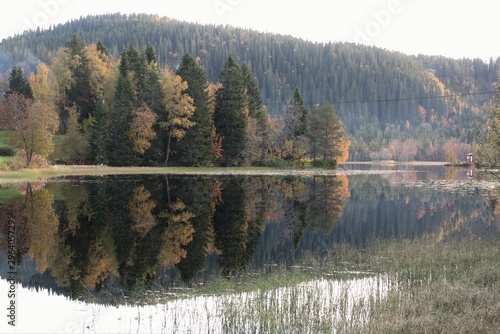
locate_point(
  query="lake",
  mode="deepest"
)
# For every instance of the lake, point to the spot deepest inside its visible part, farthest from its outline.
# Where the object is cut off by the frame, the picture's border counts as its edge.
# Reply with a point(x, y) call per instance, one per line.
point(130, 241)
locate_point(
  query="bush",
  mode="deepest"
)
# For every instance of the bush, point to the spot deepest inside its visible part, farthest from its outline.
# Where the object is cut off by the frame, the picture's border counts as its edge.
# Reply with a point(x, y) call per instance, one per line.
point(329, 164)
point(6, 152)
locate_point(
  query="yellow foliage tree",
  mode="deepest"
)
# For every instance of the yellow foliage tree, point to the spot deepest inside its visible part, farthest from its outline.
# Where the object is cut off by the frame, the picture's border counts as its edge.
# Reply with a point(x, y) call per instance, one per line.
point(141, 208)
point(179, 108)
point(34, 124)
point(44, 85)
point(178, 233)
point(141, 130)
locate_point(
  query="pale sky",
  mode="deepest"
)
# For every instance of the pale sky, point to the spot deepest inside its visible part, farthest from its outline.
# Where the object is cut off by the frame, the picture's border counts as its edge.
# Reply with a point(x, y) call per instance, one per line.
point(453, 28)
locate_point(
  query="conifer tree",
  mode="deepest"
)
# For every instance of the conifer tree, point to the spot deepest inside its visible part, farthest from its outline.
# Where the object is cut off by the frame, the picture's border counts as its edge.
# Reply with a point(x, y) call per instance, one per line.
point(295, 116)
point(230, 117)
point(120, 152)
point(326, 133)
point(98, 136)
point(254, 100)
point(18, 83)
point(80, 92)
point(153, 96)
point(194, 149)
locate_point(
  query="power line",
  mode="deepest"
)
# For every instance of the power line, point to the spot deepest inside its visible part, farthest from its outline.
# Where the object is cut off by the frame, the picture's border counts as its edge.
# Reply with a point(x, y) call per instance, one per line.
point(415, 98)
point(401, 99)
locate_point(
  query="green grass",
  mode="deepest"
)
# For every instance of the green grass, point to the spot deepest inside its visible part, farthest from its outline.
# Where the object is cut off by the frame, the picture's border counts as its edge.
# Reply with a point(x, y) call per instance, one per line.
point(7, 194)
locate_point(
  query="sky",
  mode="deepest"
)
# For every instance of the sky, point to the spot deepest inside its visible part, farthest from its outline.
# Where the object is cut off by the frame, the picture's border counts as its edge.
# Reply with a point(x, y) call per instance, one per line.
point(452, 28)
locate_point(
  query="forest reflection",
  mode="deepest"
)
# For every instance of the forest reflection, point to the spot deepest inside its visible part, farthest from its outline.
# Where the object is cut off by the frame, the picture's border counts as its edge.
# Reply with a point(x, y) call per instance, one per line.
point(82, 234)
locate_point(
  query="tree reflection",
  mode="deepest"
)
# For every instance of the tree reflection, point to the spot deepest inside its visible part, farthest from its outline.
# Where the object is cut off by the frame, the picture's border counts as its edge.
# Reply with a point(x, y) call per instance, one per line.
point(132, 231)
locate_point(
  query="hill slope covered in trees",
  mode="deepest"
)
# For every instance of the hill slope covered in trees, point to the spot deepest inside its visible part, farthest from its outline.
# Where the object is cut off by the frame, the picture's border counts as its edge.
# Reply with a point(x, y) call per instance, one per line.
point(384, 98)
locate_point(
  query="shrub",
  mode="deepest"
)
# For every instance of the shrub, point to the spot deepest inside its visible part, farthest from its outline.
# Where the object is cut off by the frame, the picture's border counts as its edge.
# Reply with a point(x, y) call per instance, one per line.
point(329, 164)
point(6, 152)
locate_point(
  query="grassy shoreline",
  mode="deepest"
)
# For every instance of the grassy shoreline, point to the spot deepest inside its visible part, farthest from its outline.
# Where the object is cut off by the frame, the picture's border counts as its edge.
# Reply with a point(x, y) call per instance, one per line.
point(97, 170)
point(88, 170)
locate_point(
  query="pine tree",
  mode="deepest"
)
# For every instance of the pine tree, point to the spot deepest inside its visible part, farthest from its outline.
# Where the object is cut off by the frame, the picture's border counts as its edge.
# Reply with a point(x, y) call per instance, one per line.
point(120, 152)
point(18, 83)
point(295, 116)
point(153, 96)
point(194, 150)
point(254, 100)
point(102, 48)
point(80, 93)
point(98, 136)
point(137, 68)
point(150, 54)
point(230, 118)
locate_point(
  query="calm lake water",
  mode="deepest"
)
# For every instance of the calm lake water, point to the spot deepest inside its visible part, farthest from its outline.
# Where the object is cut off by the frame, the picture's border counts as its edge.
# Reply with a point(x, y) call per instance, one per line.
point(104, 236)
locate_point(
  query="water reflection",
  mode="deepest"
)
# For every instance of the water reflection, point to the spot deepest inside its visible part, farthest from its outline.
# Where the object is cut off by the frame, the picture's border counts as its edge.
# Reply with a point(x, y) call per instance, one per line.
point(76, 235)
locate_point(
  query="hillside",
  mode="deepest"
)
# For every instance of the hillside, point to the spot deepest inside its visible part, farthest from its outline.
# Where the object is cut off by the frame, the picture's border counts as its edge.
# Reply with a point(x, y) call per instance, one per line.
point(379, 95)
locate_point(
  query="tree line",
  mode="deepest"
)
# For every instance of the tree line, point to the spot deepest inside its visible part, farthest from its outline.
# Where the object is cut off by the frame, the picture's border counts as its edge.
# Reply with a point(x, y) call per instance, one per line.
point(384, 98)
point(132, 112)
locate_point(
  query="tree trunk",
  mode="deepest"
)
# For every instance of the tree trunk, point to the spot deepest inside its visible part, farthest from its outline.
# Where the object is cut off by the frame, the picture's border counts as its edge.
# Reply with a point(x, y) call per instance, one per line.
point(168, 149)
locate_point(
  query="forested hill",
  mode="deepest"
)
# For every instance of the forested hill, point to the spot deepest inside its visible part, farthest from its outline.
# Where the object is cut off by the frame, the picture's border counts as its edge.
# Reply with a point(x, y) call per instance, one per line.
point(377, 93)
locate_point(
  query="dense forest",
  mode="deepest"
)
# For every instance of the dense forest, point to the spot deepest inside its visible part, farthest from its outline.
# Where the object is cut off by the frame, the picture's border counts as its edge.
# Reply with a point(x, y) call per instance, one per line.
point(393, 106)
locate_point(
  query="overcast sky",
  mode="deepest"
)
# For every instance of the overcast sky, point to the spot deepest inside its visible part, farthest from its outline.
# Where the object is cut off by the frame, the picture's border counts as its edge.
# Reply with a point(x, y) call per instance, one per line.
point(453, 28)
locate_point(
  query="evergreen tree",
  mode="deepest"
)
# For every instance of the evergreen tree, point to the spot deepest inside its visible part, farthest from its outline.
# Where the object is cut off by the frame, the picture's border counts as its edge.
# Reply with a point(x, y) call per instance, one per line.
point(98, 136)
point(137, 68)
point(153, 97)
point(295, 116)
point(194, 149)
point(120, 152)
point(80, 92)
point(254, 100)
point(150, 54)
point(18, 83)
point(230, 118)
point(102, 48)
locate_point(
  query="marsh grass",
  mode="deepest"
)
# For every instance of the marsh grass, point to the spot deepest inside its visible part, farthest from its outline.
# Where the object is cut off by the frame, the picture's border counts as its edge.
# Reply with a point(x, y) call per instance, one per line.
point(396, 286)
point(442, 287)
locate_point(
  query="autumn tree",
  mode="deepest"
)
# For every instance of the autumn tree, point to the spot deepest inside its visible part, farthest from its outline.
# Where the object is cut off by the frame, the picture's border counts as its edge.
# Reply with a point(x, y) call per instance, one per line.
point(141, 130)
point(75, 146)
point(42, 224)
point(179, 233)
point(34, 124)
point(141, 207)
point(326, 133)
point(44, 85)
point(230, 116)
point(489, 152)
point(179, 110)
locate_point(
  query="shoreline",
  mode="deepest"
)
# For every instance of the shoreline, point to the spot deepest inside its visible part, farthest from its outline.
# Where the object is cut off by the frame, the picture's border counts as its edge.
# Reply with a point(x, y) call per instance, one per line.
point(97, 170)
